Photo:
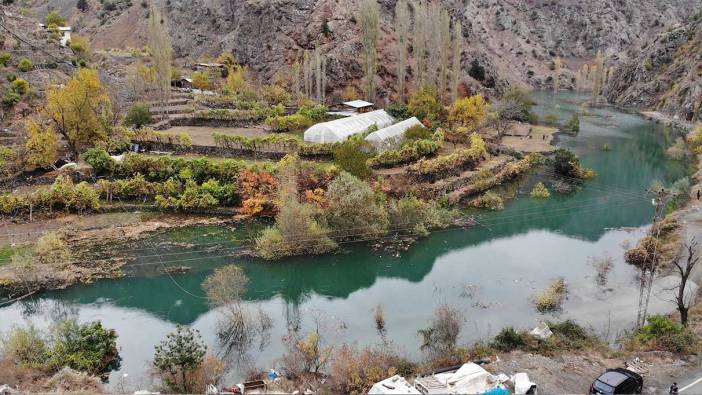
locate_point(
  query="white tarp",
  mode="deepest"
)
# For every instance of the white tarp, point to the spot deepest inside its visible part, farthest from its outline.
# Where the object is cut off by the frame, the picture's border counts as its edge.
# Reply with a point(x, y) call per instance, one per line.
point(393, 385)
point(358, 103)
point(468, 379)
point(393, 131)
point(340, 129)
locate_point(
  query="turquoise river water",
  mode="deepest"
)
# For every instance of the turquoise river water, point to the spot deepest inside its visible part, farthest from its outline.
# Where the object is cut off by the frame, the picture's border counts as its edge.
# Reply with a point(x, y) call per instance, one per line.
point(490, 272)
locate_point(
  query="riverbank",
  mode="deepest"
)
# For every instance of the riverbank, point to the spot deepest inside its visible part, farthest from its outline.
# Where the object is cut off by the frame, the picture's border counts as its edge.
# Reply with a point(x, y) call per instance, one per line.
point(88, 239)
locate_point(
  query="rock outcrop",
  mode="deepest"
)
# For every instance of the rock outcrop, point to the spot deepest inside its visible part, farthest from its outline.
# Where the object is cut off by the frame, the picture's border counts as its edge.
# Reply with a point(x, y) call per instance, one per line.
point(513, 40)
point(665, 75)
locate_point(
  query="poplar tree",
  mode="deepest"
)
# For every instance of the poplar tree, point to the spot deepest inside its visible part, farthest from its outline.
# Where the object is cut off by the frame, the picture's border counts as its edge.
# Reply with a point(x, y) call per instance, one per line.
point(419, 43)
point(370, 29)
point(296, 76)
point(307, 73)
point(598, 75)
point(556, 73)
point(161, 53)
point(402, 23)
point(456, 68)
point(445, 32)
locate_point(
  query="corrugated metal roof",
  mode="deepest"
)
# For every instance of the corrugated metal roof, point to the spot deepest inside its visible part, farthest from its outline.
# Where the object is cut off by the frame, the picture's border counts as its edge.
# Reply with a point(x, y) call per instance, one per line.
point(393, 131)
point(340, 129)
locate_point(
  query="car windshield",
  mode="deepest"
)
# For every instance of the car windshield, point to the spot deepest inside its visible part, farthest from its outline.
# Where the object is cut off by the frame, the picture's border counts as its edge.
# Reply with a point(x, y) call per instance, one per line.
point(602, 388)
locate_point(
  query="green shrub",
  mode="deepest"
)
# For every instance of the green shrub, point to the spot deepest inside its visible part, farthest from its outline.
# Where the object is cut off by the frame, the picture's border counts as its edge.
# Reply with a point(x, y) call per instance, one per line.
point(5, 59)
point(540, 191)
point(661, 333)
point(489, 200)
point(54, 18)
point(289, 123)
point(565, 163)
point(138, 116)
point(452, 164)
point(25, 65)
point(20, 86)
point(417, 132)
point(399, 111)
point(352, 157)
point(410, 152)
point(99, 159)
point(573, 125)
point(315, 113)
point(85, 347)
point(507, 340)
point(10, 98)
point(25, 346)
point(88, 347)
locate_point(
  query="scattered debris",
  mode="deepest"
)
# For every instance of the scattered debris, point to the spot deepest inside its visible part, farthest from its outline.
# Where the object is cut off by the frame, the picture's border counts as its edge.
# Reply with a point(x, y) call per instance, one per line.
point(522, 384)
point(393, 385)
point(542, 331)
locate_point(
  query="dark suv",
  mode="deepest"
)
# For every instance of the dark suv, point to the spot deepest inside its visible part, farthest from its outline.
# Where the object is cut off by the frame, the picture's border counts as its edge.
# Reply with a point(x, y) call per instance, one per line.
point(617, 381)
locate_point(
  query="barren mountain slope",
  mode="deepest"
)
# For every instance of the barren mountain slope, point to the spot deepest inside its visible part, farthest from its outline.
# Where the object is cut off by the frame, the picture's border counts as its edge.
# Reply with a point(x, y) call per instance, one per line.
point(513, 39)
point(665, 75)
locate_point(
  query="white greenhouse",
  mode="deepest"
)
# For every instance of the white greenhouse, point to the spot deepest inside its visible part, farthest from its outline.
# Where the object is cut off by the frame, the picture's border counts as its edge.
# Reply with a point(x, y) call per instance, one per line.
point(392, 132)
point(340, 129)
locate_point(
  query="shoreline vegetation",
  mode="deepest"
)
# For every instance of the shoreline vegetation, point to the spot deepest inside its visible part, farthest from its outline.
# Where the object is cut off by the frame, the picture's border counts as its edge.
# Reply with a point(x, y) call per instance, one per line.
point(353, 192)
point(76, 160)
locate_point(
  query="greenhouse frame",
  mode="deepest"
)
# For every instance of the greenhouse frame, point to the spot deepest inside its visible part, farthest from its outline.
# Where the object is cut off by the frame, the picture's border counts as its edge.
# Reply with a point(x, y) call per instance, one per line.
point(340, 129)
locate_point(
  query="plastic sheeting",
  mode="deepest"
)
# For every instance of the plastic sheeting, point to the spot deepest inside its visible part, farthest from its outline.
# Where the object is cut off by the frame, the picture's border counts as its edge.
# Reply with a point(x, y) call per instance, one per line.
point(393, 385)
point(393, 131)
point(340, 129)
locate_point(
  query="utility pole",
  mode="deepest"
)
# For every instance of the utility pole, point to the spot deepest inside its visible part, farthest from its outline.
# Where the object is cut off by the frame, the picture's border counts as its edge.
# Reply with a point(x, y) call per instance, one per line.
point(661, 197)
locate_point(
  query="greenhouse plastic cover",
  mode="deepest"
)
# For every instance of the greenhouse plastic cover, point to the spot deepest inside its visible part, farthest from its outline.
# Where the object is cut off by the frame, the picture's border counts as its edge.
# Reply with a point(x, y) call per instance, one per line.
point(393, 131)
point(340, 129)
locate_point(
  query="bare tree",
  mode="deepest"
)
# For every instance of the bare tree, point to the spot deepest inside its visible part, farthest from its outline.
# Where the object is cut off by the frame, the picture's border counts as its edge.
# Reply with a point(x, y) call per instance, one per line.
point(370, 30)
point(445, 33)
point(161, 53)
point(683, 301)
point(402, 24)
point(557, 64)
point(419, 43)
point(456, 67)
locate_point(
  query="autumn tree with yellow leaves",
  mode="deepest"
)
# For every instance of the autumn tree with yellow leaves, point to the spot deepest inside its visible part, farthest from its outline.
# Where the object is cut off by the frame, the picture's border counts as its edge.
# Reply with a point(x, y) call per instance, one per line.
point(80, 111)
point(468, 112)
point(41, 146)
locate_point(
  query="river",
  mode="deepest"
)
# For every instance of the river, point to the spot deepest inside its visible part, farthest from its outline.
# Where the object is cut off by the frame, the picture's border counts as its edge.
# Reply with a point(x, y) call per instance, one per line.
point(489, 272)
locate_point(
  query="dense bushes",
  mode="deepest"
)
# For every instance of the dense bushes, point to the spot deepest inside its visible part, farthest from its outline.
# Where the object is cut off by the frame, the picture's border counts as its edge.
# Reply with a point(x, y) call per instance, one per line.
point(489, 200)
point(274, 143)
point(304, 118)
point(85, 347)
point(348, 210)
point(161, 168)
point(411, 151)
point(566, 164)
point(452, 164)
point(661, 333)
point(99, 159)
point(62, 195)
point(138, 116)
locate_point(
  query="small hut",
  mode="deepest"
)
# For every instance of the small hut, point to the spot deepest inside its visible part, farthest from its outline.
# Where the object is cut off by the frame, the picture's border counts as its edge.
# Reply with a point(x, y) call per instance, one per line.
point(183, 83)
point(358, 106)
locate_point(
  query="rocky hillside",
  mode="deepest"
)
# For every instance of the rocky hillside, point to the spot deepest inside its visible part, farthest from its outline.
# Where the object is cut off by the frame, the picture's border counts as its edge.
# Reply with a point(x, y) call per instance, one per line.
point(514, 40)
point(665, 75)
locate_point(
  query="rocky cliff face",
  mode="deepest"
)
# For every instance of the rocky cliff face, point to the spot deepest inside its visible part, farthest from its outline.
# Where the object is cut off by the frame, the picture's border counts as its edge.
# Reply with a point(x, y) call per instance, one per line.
point(664, 75)
point(514, 40)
